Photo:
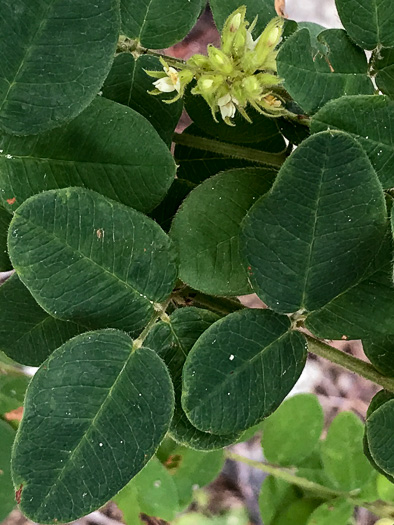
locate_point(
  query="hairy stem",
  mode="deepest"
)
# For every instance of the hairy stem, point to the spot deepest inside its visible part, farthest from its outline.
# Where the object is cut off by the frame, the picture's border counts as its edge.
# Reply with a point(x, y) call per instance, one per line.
point(288, 476)
point(379, 508)
point(353, 364)
point(220, 305)
point(274, 160)
point(126, 45)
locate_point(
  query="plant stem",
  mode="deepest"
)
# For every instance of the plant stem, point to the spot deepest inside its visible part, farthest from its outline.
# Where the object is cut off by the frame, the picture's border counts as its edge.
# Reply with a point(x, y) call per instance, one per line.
point(220, 305)
point(379, 508)
point(353, 364)
point(286, 475)
point(160, 309)
point(230, 150)
point(127, 45)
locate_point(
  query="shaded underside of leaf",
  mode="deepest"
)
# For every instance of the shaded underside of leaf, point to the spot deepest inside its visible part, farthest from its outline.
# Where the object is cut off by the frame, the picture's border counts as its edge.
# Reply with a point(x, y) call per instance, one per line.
point(173, 341)
point(206, 230)
point(28, 334)
point(5, 220)
point(127, 83)
point(92, 406)
point(109, 148)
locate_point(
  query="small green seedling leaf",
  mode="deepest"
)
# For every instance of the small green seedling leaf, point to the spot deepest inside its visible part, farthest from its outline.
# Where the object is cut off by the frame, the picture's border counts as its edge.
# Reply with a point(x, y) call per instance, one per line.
point(300, 417)
point(152, 492)
point(334, 512)
point(342, 453)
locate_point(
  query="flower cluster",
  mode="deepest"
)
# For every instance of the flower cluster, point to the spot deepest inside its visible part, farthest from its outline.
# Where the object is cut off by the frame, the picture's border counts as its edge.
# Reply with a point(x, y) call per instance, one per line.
point(242, 72)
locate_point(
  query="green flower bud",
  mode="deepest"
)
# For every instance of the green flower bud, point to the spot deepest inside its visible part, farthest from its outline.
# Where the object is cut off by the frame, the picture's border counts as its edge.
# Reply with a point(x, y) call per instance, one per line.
point(268, 40)
point(199, 62)
point(231, 28)
point(252, 86)
point(208, 84)
point(220, 61)
point(267, 79)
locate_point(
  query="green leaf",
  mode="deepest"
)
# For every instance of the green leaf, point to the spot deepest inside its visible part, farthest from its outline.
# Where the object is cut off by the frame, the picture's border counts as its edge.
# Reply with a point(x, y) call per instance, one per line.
point(93, 403)
point(370, 23)
point(364, 311)
point(240, 370)
point(206, 230)
point(4, 224)
point(128, 84)
point(369, 120)
point(274, 495)
point(58, 56)
point(264, 9)
point(297, 513)
point(312, 236)
point(127, 502)
point(312, 78)
point(12, 391)
point(377, 401)
point(196, 469)
point(380, 437)
point(334, 512)
point(28, 334)
point(342, 453)
point(300, 417)
point(262, 128)
point(197, 165)
point(154, 491)
point(383, 67)
point(173, 340)
point(157, 24)
point(109, 148)
point(7, 493)
point(91, 260)
point(385, 489)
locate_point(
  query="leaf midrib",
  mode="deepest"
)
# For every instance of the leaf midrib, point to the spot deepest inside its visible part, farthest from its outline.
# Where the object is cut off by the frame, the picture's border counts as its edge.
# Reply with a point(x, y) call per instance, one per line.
point(84, 436)
point(238, 371)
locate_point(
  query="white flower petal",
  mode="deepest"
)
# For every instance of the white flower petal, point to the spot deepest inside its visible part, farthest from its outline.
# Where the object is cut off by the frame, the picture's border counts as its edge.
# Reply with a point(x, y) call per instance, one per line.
point(164, 85)
point(225, 99)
